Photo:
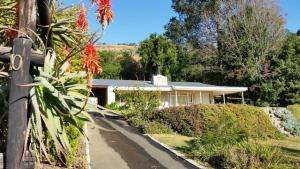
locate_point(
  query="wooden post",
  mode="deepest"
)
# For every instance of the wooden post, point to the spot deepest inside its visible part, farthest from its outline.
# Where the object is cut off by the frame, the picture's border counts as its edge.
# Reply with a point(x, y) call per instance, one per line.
point(18, 96)
point(224, 101)
point(18, 104)
point(45, 21)
point(200, 97)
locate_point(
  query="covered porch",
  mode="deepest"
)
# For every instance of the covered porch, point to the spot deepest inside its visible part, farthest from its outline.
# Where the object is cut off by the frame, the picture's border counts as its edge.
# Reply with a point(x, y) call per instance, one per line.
point(192, 97)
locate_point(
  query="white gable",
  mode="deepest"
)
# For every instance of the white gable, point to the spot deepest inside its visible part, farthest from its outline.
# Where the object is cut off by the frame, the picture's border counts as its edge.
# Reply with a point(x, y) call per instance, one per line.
point(160, 80)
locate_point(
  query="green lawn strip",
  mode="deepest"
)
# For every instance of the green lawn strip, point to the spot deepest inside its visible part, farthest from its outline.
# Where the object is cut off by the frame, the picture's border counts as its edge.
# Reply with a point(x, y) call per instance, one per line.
point(179, 143)
point(290, 146)
point(174, 141)
point(295, 109)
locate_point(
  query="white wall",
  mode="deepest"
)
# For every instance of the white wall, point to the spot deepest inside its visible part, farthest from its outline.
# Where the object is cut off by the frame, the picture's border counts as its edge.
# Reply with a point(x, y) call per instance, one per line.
point(111, 96)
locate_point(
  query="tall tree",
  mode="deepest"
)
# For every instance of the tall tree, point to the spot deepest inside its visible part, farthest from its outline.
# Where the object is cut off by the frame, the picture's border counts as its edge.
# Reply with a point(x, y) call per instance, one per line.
point(283, 88)
point(252, 37)
point(159, 55)
point(236, 40)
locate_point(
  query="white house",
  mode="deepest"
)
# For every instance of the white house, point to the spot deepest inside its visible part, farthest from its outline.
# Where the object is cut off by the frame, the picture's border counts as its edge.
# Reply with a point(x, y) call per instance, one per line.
point(172, 93)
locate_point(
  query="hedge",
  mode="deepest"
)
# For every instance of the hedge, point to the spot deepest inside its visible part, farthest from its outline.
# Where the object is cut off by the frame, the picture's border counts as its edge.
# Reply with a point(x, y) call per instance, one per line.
point(199, 119)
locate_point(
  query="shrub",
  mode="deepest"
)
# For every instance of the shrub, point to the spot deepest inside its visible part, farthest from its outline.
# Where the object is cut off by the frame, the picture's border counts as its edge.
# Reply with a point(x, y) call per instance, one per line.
point(3, 135)
point(197, 120)
point(243, 155)
point(156, 128)
point(184, 120)
point(289, 123)
point(138, 105)
point(3, 117)
point(255, 155)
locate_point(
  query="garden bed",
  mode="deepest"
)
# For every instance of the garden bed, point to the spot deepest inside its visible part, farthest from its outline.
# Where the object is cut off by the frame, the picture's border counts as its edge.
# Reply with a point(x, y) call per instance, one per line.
point(80, 160)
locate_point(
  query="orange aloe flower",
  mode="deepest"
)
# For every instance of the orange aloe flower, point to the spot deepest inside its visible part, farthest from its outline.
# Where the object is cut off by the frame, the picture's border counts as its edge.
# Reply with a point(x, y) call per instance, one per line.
point(91, 59)
point(82, 23)
point(104, 12)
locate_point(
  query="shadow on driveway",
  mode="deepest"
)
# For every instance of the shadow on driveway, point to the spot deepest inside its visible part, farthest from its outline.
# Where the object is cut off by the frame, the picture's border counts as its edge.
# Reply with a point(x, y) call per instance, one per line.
point(124, 147)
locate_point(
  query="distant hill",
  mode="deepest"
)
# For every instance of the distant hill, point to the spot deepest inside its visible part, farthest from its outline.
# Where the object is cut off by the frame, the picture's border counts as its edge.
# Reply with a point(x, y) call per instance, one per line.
point(121, 48)
point(118, 48)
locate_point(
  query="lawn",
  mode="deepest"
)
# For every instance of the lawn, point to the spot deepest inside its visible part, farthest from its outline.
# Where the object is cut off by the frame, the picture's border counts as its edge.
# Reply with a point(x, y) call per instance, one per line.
point(174, 141)
point(290, 146)
point(295, 109)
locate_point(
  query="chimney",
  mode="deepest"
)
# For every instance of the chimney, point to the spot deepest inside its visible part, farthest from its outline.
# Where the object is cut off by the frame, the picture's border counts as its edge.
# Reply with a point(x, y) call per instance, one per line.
point(159, 80)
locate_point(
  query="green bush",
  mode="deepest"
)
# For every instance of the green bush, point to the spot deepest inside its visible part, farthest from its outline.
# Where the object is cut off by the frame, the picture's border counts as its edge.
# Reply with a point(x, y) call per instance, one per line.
point(184, 120)
point(3, 117)
point(156, 128)
point(138, 105)
point(255, 155)
point(3, 135)
point(197, 120)
point(243, 155)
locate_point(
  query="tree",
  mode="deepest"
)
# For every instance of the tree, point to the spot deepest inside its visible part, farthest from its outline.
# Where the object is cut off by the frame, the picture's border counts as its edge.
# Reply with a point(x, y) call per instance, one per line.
point(131, 68)
point(284, 86)
point(159, 55)
point(250, 40)
point(235, 40)
point(111, 65)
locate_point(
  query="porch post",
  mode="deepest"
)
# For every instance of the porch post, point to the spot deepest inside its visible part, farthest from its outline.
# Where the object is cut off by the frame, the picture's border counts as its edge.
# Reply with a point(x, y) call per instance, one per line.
point(176, 104)
point(170, 99)
point(224, 101)
point(243, 99)
point(200, 97)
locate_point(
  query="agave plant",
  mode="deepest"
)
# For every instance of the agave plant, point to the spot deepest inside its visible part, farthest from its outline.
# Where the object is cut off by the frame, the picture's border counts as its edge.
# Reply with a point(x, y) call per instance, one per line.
point(57, 98)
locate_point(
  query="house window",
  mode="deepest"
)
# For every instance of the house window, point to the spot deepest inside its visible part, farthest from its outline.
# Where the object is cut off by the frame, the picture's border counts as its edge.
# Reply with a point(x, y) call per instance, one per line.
point(183, 99)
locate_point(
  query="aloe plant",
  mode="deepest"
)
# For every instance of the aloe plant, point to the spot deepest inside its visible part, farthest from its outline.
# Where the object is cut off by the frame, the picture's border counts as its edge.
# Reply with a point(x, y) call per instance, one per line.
point(56, 98)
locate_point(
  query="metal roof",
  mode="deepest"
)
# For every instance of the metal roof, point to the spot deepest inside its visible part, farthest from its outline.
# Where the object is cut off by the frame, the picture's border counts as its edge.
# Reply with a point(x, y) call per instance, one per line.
point(136, 83)
point(121, 83)
point(182, 86)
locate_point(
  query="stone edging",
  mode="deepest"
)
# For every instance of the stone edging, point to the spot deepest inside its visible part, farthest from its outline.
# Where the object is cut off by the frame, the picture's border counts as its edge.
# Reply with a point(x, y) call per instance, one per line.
point(87, 147)
point(176, 153)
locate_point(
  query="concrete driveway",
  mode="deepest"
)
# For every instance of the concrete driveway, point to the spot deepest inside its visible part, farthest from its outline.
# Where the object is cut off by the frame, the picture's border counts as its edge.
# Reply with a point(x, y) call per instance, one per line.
point(115, 145)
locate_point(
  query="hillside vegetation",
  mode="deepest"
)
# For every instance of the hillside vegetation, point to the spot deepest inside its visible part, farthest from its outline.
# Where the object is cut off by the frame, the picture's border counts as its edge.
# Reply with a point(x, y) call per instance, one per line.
point(199, 120)
point(295, 109)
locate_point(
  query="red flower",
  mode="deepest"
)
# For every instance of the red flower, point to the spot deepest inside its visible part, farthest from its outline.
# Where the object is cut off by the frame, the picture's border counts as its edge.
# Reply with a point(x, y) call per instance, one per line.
point(104, 12)
point(91, 59)
point(82, 23)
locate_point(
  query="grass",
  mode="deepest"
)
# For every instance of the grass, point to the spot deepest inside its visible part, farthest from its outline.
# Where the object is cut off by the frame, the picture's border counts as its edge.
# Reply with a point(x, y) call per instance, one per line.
point(290, 146)
point(177, 142)
point(174, 141)
point(295, 109)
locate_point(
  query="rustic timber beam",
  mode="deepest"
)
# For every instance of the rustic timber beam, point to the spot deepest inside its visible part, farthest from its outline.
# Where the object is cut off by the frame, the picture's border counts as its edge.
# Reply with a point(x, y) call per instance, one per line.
point(37, 58)
point(45, 21)
point(18, 110)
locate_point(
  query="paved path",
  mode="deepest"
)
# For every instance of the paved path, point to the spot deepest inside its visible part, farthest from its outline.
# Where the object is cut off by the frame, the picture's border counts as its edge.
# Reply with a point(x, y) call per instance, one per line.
point(115, 145)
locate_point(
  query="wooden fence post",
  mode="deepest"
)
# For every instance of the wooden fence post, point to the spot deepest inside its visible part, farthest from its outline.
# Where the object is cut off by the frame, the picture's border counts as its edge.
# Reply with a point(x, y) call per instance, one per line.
point(18, 103)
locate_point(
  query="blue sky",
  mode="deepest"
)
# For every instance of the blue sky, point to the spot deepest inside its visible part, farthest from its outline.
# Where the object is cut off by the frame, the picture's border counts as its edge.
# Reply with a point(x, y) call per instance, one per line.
point(135, 20)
